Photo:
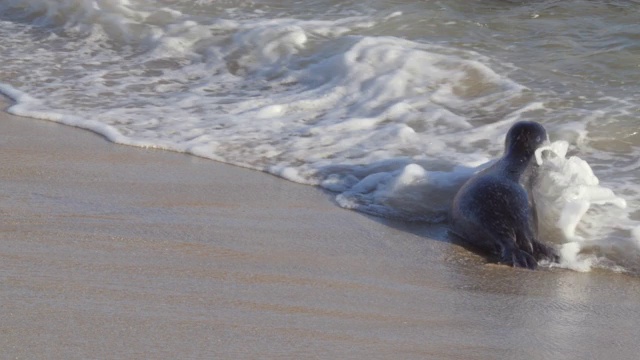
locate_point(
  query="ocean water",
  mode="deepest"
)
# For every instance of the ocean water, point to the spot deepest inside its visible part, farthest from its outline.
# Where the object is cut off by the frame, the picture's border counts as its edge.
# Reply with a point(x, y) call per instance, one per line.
point(390, 104)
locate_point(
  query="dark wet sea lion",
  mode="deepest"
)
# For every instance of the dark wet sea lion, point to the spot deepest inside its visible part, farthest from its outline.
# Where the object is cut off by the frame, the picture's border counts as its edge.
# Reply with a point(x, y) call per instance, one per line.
point(495, 211)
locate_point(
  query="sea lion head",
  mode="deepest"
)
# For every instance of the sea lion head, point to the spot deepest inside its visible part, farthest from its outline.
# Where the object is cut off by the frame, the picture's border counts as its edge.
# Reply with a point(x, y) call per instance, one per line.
point(524, 138)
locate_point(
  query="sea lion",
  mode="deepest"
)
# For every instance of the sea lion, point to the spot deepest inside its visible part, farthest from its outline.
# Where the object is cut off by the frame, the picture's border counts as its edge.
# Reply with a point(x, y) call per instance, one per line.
point(495, 210)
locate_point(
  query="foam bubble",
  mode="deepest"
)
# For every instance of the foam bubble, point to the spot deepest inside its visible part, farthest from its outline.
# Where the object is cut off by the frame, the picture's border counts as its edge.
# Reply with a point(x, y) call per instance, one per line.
point(570, 257)
point(565, 191)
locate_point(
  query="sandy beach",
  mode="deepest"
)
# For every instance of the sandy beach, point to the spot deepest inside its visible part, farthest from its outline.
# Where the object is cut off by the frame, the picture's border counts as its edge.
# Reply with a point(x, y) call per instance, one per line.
point(114, 252)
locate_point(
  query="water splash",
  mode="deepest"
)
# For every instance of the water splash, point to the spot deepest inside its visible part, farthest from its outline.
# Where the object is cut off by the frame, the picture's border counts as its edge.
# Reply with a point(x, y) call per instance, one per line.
point(575, 211)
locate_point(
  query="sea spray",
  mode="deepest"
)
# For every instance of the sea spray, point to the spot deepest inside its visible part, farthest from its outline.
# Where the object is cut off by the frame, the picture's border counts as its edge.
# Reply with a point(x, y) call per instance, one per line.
point(565, 191)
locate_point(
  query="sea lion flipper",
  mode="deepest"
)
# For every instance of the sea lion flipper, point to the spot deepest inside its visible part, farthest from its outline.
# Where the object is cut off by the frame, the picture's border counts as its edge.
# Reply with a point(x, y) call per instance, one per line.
point(527, 240)
point(519, 258)
point(544, 252)
point(510, 252)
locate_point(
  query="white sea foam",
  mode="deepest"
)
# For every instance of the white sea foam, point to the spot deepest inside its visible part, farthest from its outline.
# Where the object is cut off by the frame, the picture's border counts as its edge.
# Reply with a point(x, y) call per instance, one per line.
point(393, 125)
point(565, 192)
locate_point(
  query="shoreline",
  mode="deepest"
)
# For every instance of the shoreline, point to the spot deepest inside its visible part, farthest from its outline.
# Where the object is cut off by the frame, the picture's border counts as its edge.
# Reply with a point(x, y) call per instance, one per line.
point(112, 251)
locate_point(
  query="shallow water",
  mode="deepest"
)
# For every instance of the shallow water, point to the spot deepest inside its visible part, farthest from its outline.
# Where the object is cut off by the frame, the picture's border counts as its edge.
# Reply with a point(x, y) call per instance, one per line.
point(391, 104)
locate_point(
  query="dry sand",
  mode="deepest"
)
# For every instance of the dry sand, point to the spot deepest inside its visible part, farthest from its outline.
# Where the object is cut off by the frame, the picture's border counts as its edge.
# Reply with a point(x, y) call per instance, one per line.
point(109, 251)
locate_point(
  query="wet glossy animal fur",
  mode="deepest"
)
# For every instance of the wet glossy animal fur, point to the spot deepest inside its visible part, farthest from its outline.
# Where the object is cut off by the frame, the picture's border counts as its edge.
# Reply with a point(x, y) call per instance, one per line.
point(495, 211)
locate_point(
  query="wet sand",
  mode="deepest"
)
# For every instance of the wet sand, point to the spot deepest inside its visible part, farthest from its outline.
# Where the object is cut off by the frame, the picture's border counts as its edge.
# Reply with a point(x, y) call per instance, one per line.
point(109, 251)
